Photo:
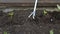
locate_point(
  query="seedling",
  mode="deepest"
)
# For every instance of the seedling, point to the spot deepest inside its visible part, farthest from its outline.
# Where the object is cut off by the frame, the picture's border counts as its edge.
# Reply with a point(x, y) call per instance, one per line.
point(51, 31)
point(11, 14)
point(58, 7)
point(34, 11)
point(5, 32)
point(45, 12)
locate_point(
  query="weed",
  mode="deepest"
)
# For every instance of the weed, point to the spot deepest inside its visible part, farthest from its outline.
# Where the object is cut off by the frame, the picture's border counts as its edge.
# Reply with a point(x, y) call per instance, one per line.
point(5, 32)
point(51, 31)
point(58, 7)
point(45, 12)
point(11, 14)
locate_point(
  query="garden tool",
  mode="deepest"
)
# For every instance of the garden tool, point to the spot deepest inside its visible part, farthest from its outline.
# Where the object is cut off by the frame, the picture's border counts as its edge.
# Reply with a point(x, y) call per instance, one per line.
point(34, 11)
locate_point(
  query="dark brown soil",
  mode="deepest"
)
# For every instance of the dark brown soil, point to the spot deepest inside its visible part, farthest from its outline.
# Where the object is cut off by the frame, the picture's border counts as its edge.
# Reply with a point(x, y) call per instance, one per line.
point(21, 24)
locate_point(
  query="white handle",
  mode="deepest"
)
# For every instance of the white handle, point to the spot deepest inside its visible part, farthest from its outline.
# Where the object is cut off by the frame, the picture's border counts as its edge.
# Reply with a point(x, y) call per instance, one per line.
point(34, 11)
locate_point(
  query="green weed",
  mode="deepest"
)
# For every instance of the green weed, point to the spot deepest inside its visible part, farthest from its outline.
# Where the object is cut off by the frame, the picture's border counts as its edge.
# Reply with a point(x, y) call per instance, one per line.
point(51, 31)
point(5, 32)
point(11, 14)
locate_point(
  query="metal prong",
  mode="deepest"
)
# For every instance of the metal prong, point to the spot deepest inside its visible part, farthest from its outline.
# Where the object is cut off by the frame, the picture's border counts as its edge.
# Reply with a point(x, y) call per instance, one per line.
point(30, 15)
point(33, 15)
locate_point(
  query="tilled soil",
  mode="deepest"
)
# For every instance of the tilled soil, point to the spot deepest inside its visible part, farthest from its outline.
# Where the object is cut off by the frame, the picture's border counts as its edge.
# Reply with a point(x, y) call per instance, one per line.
point(21, 24)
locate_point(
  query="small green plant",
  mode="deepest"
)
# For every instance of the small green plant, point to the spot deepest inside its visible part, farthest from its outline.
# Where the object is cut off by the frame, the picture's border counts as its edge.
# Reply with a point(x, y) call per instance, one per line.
point(58, 7)
point(51, 31)
point(44, 12)
point(5, 32)
point(11, 14)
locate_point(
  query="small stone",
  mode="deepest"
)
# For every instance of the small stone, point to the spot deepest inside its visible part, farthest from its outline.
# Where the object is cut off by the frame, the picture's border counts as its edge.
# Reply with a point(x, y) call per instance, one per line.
point(51, 19)
point(40, 26)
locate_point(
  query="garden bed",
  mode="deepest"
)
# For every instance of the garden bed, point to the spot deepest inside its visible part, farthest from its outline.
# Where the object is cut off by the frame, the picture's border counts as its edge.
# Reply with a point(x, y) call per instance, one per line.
point(21, 24)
